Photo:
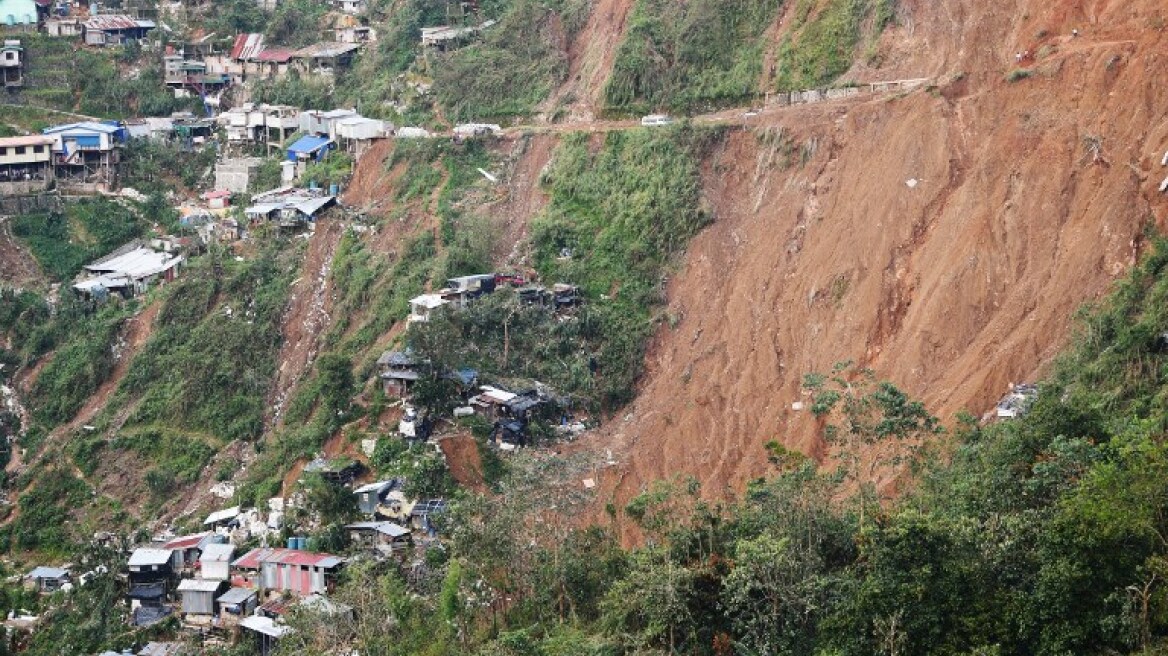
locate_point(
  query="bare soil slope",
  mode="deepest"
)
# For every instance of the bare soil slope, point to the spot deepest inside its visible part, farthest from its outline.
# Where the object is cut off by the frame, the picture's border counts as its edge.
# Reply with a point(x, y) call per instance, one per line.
point(591, 56)
point(945, 239)
point(307, 318)
point(17, 266)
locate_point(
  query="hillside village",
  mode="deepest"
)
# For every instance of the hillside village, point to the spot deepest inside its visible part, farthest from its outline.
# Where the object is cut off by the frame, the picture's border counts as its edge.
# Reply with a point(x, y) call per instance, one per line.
point(529, 328)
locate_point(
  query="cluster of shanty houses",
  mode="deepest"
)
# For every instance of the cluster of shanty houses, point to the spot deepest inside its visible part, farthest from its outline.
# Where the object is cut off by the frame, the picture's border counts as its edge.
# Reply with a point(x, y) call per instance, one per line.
point(249, 127)
point(96, 29)
point(217, 586)
point(289, 207)
point(461, 291)
point(84, 156)
point(510, 412)
point(80, 154)
point(129, 271)
point(196, 68)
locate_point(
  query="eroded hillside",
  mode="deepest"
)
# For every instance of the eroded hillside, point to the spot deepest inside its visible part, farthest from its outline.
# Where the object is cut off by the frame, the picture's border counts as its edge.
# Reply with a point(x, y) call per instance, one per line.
point(943, 236)
point(944, 239)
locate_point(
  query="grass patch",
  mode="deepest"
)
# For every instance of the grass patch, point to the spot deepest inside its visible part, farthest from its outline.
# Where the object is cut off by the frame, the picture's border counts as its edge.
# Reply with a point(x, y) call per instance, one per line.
point(513, 69)
point(690, 56)
point(208, 365)
point(81, 364)
point(62, 242)
point(1019, 74)
point(822, 45)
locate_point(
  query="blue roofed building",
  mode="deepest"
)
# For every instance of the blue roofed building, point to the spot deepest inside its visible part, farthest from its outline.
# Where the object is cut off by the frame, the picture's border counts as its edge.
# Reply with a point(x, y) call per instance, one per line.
point(306, 149)
point(310, 148)
point(86, 155)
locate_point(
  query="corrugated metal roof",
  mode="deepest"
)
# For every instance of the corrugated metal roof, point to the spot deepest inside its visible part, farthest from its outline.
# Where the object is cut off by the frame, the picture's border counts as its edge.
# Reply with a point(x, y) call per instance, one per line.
point(385, 528)
point(48, 573)
point(29, 140)
point(247, 47)
point(312, 205)
point(198, 585)
point(217, 553)
point(376, 486)
point(429, 301)
point(186, 541)
point(254, 558)
point(149, 556)
point(102, 282)
point(277, 55)
point(113, 22)
point(236, 596)
point(138, 263)
point(263, 208)
point(84, 126)
point(309, 144)
point(327, 49)
point(496, 395)
point(222, 515)
point(266, 626)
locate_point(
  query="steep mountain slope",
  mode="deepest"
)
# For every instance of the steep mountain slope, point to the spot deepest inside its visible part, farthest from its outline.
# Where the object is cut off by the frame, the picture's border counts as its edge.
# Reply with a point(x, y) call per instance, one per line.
point(944, 239)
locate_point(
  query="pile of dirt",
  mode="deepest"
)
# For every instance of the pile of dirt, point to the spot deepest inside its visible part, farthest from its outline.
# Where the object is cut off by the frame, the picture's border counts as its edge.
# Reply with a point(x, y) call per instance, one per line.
point(464, 461)
point(944, 239)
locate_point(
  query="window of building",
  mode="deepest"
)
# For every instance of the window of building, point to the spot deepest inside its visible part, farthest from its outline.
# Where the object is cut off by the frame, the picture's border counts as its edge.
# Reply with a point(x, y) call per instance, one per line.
point(20, 150)
point(10, 56)
point(38, 149)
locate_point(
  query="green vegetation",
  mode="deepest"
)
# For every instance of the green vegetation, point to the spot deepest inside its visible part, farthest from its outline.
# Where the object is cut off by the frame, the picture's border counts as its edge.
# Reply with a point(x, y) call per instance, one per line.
point(622, 214)
point(91, 82)
point(824, 42)
point(177, 459)
point(515, 67)
point(23, 318)
point(45, 510)
point(91, 618)
point(690, 56)
point(1037, 536)
point(62, 242)
point(336, 169)
point(209, 362)
point(292, 89)
point(156, 167)
point(1019, 74)
point(30, 119)
point(296, 23)
point(80, 365)
point(424, 470)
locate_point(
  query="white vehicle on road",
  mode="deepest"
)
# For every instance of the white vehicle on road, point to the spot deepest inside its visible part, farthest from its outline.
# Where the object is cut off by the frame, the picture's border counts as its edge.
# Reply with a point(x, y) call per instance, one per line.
point(656, 119)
